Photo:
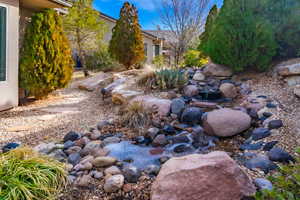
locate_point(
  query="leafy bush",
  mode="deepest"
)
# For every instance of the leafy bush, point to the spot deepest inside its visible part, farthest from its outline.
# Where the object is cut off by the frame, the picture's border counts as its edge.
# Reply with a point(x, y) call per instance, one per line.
point(27, 175)
point(213, 13)
point(135, 116)
point(46, 63)
point(240, 38)
point(159, 61)
point(194, 58)
point(170, 78)
point(286, 184)
point(101, 61)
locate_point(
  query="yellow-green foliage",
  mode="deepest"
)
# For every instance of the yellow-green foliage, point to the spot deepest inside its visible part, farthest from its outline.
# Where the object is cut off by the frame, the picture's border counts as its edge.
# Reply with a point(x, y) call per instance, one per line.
point(159, 61)
point(27, 175)
point(170, 78)
point(127, 44)
point(286, 183)
point(46, 63)
point(194, 58)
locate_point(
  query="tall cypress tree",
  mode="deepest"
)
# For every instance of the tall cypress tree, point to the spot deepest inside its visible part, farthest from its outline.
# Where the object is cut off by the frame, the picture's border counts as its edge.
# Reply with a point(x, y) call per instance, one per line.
point(46, 63)
point(127, 44)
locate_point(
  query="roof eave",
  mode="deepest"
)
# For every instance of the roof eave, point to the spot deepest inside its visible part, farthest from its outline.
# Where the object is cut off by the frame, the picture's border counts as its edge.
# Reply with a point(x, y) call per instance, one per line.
point(63, 3)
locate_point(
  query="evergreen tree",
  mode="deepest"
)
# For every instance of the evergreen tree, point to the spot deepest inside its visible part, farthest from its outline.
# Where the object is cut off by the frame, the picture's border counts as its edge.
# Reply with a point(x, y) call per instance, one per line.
point(46, 63)
point(126, 44)
point(84, 28)
point(240, 38)
point(209, 23)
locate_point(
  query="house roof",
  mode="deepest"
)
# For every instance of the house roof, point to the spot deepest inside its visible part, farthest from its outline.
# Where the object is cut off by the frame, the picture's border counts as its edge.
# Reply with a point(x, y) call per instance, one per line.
point(63, 3)
point(37, 5)
point(112, 19)
point(166, 35)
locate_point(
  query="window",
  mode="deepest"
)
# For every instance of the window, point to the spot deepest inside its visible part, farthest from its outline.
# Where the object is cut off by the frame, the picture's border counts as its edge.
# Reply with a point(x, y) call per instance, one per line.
point(3, 43)
point(157, 48)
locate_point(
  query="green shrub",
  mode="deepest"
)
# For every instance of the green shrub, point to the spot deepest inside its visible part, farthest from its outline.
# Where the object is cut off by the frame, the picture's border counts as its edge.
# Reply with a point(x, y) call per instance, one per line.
point(286, 184)
point(194, 58)
point(101, 61)
point(213, 13)
point(27, 175)
point(159, 61)
point(239, 38)
point(170, 78)
point(46, 63)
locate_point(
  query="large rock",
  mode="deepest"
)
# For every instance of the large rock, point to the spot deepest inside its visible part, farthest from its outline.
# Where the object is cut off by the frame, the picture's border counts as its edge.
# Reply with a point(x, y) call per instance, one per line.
point(191, 115)
point(198, 76)
point(212, 69)
point(177, 106)
point(104, 161)
point(154, 104)
point(228, 90)
point(190, 90)
point(213, 176)
point(100, 80)
point(114, 183)
point(226, 122)
point(293, 80)
point(289, 68)
point(297, 91)
point(123, 93)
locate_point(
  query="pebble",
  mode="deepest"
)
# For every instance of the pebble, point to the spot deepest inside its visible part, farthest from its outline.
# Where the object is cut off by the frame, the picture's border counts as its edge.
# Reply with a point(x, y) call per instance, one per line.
point(111, 140)
point(114, 183)
point(131, 173)
point(72, 136)
point(113, 170)
point(74, 158)
point(275, 124)
point(279, 155)
point(104, 161)
point(260, 133)
point(263, 184)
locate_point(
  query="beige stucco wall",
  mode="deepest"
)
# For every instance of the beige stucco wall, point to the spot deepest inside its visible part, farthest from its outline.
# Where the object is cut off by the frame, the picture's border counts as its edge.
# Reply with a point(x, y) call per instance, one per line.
point(9, 88)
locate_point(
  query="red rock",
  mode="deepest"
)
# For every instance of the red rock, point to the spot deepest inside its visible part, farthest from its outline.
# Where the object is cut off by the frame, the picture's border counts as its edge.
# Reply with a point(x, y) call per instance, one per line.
point(226, 122)
point(201, 104)
point(214, 176)
point(156, 151)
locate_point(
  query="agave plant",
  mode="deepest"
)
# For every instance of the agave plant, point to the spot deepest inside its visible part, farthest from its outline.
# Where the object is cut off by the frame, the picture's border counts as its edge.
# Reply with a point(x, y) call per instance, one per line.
point(170, 78)
point(27, 175)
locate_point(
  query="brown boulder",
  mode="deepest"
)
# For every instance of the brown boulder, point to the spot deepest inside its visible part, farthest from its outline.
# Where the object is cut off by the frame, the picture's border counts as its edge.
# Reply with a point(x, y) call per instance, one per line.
point(212, 69)
point(190, 90)
point(228, 90)
point(214, 176)
point(226, 122)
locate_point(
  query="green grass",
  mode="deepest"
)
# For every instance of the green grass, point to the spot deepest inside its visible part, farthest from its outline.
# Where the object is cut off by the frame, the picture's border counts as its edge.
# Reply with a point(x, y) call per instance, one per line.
point(27, 175)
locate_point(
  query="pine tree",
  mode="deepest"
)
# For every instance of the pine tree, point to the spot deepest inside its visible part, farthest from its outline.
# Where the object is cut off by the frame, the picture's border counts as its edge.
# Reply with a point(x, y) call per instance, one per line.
point(126, 44)
point(240, 38)
point(209, 23)
point(46, 63)
point(84, 28)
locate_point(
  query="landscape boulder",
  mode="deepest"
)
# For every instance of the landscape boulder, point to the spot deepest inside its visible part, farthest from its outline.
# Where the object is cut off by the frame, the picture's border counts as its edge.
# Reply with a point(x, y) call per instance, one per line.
point(212, 69)
point(154, 104)
point(190, 90)
point(228, 90)
point(198, 76)
point(212, 176)
point(100, 80)
point(226, 122)
point(289, 68)
point(191, 115)
point(177, 106)
point(114, 183)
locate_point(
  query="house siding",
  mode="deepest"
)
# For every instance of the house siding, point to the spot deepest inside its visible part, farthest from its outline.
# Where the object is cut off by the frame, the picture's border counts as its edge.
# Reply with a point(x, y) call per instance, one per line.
point(9, 88)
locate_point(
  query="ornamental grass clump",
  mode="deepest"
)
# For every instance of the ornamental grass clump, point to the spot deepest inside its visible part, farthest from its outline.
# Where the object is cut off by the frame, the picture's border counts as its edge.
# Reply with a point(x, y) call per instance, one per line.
point(27, 175)
point(170, 78)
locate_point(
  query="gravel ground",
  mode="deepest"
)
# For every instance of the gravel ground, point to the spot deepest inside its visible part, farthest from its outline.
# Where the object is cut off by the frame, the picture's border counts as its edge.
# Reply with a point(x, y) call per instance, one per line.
point(50, 119)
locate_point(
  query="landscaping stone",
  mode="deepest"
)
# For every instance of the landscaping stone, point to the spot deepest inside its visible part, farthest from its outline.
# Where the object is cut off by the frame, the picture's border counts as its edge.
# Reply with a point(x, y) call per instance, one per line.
point(260, 133)
point(104, 161)
point(131, 173)
point(113, 170)
point(279, 155)
point(229, 90)
point(68, 144)
point(111, 140)
point(169, 130)
point(74, 158)
point(190, 90)
point(293, 80)
point(202, 104)
point(99, 80)
point(260, 162)
point(160, 140)
point(10, 146)
point(275, 124)
point(191, 115)
point(194, 177)
point(152, 132)
point(270, 145)
point(297, 90)
point(90, 147)
point(83, 167)
point(177, 106)
point(114, 183)
point(72, 136)
point(263, 184)
point(225, 122)
point(198, 76)
point(152, 170)
point(289, 68)
point(212, 69)
point(84, 181)
point(102, 124)
point(45, 148)
point(74, 149)
point(59, 155)
point(154, 104)
point(255, 146)
point(96, 174)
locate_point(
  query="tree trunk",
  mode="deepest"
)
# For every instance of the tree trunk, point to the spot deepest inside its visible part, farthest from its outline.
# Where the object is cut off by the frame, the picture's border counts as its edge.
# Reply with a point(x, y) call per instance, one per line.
point(81, 54)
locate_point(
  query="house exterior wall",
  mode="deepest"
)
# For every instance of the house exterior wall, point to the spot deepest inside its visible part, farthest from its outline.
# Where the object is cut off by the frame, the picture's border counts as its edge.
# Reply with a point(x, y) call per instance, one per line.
point(9, 88)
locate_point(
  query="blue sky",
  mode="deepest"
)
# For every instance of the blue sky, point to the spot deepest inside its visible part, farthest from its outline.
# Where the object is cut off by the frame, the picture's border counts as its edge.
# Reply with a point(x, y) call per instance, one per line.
point(148, 10)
